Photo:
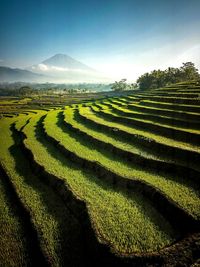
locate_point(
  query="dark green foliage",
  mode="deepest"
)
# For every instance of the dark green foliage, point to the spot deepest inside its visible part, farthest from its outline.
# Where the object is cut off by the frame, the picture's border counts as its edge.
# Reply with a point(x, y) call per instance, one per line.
point(189, 72)
point(25, 90)
point(159, 78)
point(119, 86)
point(122, 85)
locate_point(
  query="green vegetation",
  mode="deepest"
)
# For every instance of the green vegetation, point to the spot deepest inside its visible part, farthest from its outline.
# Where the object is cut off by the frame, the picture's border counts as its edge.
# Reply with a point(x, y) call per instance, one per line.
point(123, 110)
point(133, 130)
point(91, 173)
point(188, 108)
point(100, 200)
point(12, 242)
point(122, 86)
point(43, 205)
point(139, 120)
point(121, 167)
point(159, 78)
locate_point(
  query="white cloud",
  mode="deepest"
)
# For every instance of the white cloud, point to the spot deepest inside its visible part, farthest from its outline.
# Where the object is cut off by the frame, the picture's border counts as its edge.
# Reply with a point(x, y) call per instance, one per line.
point(43, 67)
point(46, 68)
point(57, 68)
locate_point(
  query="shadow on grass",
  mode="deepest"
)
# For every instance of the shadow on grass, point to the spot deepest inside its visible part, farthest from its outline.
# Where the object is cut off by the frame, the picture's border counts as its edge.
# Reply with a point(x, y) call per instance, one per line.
point(177, 178)
point(68, 242)
point(28, 249)
point(139, 200)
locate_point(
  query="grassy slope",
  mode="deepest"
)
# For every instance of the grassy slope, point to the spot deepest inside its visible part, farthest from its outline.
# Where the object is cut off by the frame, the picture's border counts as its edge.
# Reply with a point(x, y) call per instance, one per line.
point(194, 116)
point(132, 130)
point(12, 241)
point(171, 106)
point(43, 204)
point(101, 135)
point(128, 224)
point(129, 113)
point(182, 194)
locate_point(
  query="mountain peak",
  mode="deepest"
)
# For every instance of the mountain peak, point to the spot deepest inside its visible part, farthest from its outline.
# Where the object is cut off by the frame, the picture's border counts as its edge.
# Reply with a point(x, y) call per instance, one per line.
point(65, 61)
point(59, 55)
point(62, 67)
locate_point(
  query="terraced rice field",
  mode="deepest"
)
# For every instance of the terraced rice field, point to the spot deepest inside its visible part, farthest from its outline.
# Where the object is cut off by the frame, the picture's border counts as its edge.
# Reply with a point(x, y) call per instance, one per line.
point(111, 182)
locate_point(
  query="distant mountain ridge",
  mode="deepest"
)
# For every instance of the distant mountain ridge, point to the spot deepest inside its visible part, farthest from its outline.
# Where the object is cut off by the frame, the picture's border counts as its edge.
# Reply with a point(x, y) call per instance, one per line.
point(59, 68)
point(65, 61)
point(17, 75)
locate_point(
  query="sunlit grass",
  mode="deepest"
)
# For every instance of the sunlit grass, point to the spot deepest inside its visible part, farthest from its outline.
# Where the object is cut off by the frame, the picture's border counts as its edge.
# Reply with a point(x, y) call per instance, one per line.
point(170, 106)
point(166, 109)
point(12, 241)
point(105, 136)
point(130, 224)
point(185, 196)
point(158, 138)
point(127, 113)
point(32, 193)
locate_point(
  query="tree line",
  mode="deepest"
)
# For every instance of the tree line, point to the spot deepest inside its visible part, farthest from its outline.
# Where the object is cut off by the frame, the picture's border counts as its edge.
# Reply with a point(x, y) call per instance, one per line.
point(160, 78)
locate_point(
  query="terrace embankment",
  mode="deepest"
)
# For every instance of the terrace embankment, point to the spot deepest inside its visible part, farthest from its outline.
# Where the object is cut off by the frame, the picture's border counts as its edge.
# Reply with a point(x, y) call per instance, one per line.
point(121, 182)
point(109, 182)
point(100, 141)
point(162, 130)
point(18, 238)
point(31, 254)
point(94, 252)
point(166, 120)
point(142, 140)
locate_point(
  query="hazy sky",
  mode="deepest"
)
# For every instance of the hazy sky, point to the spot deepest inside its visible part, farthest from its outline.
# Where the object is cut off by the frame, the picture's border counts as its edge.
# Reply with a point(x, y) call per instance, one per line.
point(123, 38)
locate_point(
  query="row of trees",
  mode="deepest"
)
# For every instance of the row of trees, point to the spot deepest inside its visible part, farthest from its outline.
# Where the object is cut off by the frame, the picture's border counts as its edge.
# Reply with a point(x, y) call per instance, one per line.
point(122, 85)
point(29, 91)
point(160, 78)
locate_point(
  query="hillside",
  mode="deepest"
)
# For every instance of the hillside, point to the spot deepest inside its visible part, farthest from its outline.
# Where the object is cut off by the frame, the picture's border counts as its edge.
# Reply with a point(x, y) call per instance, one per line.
point(56, 69)
point(64, 68)
point(18, 75)
point(102, 182)
point(65, 61)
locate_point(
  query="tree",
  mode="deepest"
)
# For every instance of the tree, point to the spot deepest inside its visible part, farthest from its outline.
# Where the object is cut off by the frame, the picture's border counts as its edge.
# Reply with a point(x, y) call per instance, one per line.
point(25, 90)
point(145, 81)
point(173, 75)
point(189, 72)
point(119, 86)
point(159, 78)
point(133, 86)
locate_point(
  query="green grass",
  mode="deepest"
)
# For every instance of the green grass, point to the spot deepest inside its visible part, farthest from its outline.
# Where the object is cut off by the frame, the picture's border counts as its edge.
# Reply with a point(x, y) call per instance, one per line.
point(123, 219)
point(12, 242)
point(127, 113)
point(168, 120)
point(105, 136)
point(182, 194)
point(129, 224)
point(171, 106)
point(165, 98)
point(48, 215)
point(90, 118)
point(183, 113)
point(158, 138)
